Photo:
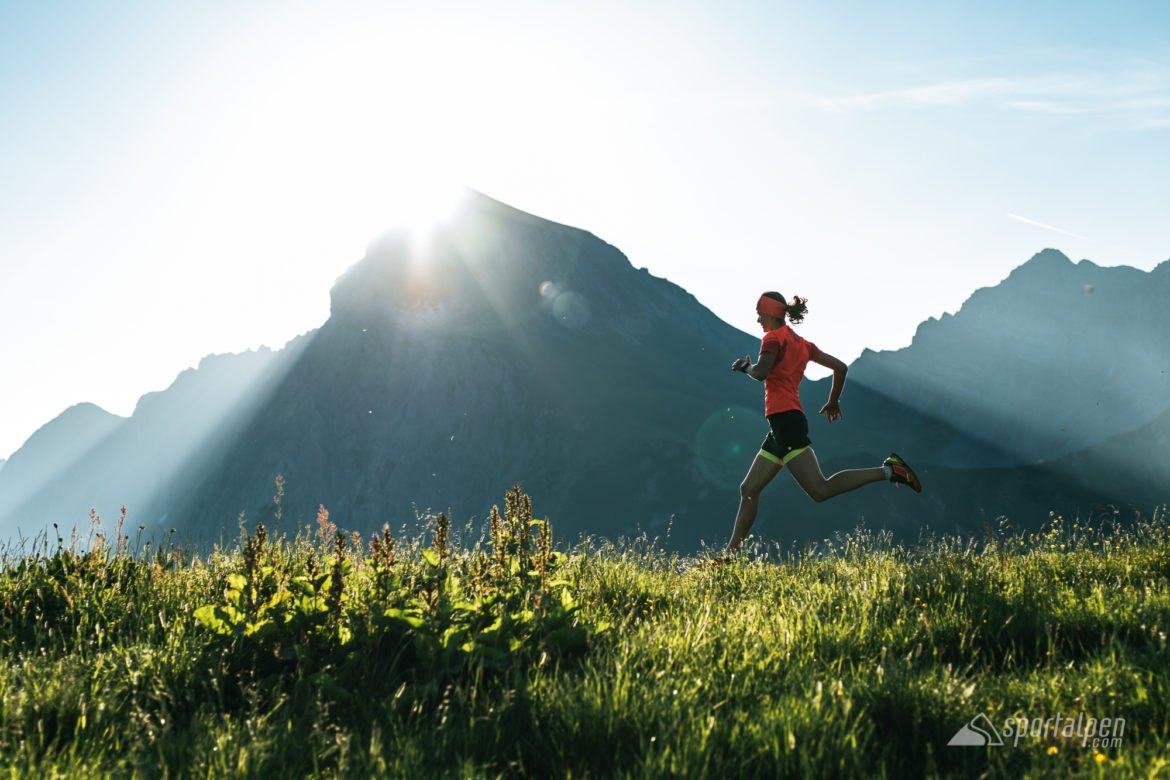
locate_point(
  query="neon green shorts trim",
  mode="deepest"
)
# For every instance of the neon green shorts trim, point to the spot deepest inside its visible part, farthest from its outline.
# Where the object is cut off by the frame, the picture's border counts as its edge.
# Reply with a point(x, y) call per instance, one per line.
point(785, 459)
point(787, 436)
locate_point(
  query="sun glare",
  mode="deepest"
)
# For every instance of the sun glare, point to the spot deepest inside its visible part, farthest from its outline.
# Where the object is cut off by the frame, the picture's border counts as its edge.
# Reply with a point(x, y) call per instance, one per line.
point(363, 133)
point(421, 204)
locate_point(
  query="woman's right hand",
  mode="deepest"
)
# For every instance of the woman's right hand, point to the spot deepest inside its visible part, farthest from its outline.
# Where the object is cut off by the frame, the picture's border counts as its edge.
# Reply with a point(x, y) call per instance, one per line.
point(741, 364)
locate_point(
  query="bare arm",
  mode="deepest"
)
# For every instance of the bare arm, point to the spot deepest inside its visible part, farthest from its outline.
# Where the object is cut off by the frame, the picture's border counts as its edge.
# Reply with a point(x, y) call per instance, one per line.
point(760, 370)
point(832, 409)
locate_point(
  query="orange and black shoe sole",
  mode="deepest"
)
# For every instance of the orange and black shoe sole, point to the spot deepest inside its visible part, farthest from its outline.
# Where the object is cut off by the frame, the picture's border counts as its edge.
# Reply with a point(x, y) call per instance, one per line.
point(902, 470)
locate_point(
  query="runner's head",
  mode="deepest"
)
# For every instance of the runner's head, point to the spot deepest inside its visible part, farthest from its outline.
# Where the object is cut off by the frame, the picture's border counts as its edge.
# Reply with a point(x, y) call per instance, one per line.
point(774, 307)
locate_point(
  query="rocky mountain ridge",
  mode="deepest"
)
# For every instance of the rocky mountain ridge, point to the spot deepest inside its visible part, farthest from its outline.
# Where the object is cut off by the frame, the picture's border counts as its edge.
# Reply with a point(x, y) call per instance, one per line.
point(1053, 359)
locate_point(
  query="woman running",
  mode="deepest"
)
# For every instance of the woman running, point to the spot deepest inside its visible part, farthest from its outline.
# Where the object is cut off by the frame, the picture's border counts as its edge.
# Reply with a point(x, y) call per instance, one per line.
point(783, 357)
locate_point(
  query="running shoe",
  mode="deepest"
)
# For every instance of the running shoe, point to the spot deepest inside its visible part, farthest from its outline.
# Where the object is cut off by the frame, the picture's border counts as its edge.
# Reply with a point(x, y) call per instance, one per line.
point(901, 473)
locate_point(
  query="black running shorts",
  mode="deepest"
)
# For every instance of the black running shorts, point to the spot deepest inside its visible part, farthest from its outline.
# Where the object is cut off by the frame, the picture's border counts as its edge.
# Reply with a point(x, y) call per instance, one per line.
point(787, 436)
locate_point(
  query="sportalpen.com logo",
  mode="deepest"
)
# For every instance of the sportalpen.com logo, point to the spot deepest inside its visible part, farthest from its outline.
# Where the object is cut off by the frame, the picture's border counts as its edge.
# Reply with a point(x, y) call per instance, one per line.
point(1092, 732)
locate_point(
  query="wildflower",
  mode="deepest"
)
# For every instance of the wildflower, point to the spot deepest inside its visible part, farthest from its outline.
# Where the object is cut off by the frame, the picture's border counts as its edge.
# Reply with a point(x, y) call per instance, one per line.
point(1100, 758)
point(1052, 750)
point(325, 529)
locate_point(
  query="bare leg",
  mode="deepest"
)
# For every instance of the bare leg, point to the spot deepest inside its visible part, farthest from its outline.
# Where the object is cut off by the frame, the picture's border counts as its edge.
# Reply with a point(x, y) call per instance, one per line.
point(807, 473)
point(759, 475)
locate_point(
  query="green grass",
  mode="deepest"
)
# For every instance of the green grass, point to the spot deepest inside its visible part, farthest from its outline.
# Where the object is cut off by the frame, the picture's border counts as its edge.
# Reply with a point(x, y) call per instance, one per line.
point(320, 657)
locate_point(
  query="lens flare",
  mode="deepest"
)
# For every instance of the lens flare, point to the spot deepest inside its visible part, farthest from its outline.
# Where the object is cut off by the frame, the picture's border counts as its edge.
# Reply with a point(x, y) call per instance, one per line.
point(572, 310)
point(726, 443)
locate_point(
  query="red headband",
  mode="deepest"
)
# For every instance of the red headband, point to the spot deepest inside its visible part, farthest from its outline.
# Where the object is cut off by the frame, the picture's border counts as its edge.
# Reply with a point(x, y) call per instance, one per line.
point(771, 307)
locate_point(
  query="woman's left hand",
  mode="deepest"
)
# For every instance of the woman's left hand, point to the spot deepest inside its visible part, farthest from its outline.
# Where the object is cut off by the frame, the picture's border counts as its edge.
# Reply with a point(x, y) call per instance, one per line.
point(832, 410)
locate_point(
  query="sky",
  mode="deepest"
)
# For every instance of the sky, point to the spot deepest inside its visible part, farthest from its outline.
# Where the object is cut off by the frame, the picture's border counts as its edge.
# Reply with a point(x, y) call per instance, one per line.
point(185, 179)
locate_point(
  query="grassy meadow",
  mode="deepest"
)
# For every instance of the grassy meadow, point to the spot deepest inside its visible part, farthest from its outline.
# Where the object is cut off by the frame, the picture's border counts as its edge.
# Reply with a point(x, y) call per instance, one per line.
point(317, 653)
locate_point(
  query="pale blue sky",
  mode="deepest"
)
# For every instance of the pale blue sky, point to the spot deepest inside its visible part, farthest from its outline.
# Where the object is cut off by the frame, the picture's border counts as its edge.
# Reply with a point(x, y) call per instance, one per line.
point(178, 179)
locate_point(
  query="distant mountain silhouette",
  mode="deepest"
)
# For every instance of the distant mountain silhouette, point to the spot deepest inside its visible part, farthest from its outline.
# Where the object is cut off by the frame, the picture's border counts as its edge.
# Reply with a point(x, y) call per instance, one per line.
point(1053, 359)
point(88, 458)
point(503, 347)
point(68, 439)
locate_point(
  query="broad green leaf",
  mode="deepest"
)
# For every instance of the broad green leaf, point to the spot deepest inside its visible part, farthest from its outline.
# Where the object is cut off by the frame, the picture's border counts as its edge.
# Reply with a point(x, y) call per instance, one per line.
point(453, 637)
point(206, 615)
point(395, 614)
point(301, 586)
point(220, 619)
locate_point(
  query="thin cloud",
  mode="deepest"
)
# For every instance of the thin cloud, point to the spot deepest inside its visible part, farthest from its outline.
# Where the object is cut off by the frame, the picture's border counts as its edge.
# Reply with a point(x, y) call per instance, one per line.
point(1140, 92)
point(952, 93)
point(1093, 105)
point(1047, 227)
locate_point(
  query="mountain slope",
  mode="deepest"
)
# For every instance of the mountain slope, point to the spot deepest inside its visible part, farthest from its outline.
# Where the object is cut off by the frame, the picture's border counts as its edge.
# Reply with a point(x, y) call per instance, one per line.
point(1132, 467)
point(68, 438)
point(1055, 358)
point(88, 458)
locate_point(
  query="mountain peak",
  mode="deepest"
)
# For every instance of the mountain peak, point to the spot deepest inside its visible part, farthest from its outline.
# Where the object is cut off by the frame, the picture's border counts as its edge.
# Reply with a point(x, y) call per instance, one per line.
point(1047, 261)
point(488, 265)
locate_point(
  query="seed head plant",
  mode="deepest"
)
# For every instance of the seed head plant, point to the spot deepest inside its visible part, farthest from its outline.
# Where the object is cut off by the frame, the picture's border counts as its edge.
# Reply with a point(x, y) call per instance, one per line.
point(441, 535)
point(325, 528)
point(278, 499)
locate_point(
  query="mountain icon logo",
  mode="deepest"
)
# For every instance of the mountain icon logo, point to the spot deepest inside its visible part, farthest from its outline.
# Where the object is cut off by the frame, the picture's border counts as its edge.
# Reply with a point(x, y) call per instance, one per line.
point(979, 732)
